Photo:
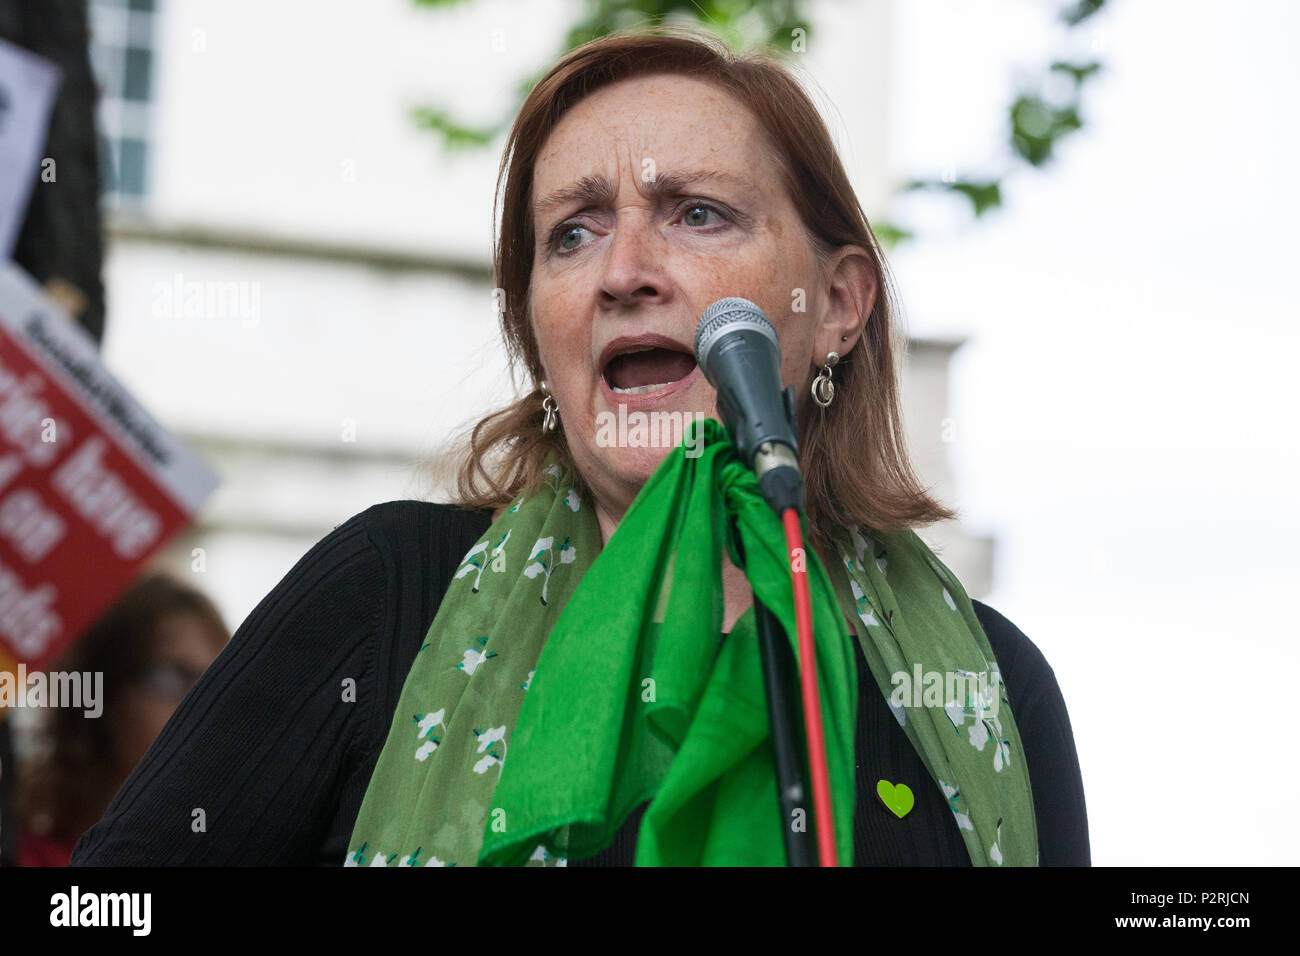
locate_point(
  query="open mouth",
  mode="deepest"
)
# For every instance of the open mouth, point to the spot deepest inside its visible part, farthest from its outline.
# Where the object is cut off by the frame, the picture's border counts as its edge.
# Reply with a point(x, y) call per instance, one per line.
point(638, 368)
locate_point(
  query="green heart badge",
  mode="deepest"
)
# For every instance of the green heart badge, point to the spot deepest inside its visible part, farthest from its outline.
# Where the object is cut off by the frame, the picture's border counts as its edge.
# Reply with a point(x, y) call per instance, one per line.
point(897, 798)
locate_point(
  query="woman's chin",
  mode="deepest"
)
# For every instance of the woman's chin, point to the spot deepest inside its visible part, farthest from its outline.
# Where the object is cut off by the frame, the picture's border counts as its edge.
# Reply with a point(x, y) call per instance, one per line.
point(631, 468)
point(636, 465)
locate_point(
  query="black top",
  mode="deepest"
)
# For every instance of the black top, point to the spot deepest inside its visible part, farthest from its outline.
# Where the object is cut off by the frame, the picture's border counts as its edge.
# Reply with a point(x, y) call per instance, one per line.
point(265, 762)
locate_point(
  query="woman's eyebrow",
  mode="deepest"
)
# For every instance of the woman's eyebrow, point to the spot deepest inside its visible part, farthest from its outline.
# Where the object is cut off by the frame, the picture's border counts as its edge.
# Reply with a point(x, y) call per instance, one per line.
point(598, 190)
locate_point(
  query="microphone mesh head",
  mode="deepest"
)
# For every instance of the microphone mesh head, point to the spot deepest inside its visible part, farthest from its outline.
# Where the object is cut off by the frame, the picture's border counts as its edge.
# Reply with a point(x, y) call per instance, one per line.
point(727, 315)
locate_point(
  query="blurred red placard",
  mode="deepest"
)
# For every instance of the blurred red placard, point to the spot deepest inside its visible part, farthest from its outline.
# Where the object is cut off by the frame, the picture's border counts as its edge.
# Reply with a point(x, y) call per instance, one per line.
point(91, 486)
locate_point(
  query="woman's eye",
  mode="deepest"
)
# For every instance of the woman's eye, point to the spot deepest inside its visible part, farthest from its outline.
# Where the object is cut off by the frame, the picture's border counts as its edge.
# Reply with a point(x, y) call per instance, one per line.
point(168, 680)
point(563, 232)
point(699, 207)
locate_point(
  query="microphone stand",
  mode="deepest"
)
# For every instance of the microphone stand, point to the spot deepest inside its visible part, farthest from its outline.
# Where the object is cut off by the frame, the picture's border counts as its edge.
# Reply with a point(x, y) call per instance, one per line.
point(786, 721)
point(787, 735)
point(785, 714)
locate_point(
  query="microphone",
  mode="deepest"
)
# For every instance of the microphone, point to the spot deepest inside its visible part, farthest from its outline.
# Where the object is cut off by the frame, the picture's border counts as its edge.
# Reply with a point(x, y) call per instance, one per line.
point(738, 351)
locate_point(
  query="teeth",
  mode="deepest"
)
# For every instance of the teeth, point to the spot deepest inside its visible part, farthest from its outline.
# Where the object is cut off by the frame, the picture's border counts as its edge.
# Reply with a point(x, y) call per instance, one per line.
point(638, 390)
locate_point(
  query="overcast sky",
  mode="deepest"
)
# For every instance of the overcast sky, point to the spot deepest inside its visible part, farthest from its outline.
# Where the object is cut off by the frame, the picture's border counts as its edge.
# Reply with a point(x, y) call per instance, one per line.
point(1126, 406)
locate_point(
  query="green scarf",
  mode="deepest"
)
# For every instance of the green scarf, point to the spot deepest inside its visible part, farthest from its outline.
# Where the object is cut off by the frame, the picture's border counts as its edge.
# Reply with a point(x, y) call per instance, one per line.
point(599, 678)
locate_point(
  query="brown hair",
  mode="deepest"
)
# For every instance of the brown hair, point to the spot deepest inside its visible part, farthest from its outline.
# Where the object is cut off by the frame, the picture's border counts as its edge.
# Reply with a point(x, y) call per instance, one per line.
point(853, 453)
point(69, 784)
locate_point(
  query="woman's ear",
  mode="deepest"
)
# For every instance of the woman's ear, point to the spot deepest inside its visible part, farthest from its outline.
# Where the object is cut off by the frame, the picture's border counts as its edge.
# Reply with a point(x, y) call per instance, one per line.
point(849, 298)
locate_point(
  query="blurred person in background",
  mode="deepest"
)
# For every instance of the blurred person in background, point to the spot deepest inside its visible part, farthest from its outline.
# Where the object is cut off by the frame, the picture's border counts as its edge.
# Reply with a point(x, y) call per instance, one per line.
point(151, 645)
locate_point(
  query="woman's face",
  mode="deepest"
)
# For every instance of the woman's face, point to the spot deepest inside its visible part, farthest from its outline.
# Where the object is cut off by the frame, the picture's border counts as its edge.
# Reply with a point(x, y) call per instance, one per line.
point(628, 260)
point(184, 647)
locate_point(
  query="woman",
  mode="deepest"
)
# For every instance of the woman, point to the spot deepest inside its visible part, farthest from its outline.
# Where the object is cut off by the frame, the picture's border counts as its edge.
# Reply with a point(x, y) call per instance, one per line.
point(364, 712)
point(151, 646)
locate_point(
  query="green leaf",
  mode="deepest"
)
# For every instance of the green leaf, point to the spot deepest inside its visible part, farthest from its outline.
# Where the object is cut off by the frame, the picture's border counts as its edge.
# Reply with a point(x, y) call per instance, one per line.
point(1080, 11)
point(983, 196)
point(890, 234)
point(1079, 72)
point(1036, 126)
point(455, 135)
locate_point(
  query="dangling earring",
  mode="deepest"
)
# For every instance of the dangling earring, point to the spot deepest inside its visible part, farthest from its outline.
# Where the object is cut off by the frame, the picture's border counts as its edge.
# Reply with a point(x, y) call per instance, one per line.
point(823, 389)
point(550, 408)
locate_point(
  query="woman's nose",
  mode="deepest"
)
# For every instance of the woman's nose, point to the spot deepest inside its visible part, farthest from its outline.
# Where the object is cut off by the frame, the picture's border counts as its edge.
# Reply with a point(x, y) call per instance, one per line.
point(633, 268)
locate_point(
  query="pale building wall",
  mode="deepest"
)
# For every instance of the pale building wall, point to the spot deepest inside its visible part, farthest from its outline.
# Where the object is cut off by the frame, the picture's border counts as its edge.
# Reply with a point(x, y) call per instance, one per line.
point(931, 431)
point(286, 172)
